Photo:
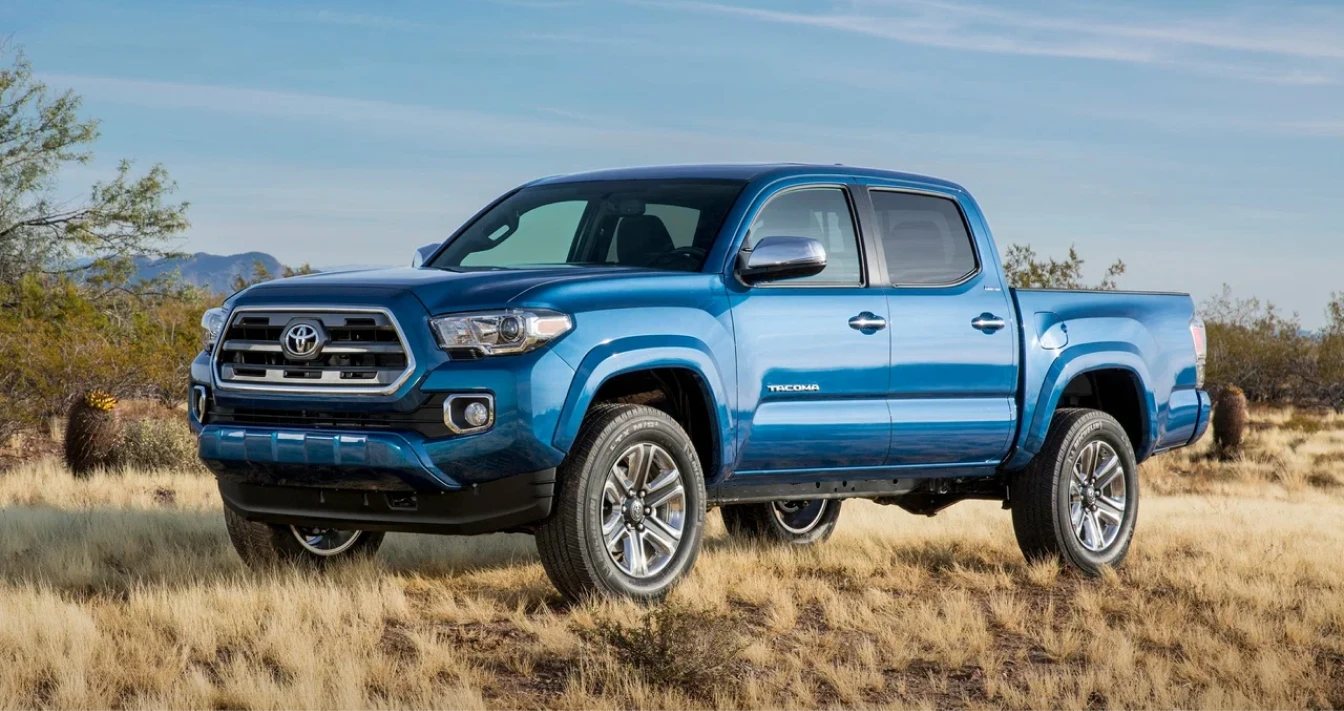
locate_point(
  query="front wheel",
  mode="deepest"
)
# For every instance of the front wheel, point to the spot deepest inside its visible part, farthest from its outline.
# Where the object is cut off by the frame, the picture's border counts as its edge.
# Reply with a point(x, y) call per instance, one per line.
point(795, 522)
point(630, 511)
point(1078, 500)
point(263, 545)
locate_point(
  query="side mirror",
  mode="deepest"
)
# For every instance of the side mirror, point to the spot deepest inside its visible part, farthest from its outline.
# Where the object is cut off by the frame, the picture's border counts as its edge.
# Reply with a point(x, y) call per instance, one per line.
point(424, 253)
point(781, 257)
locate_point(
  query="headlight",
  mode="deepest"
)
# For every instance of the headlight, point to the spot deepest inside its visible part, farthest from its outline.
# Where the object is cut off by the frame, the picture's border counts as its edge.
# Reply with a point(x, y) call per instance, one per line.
point(212, 322)
point(500, 332)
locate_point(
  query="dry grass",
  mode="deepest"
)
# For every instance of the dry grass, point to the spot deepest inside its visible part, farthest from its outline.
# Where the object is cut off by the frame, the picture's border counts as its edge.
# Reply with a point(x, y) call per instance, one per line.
point(115, 593)
point(1288, 454)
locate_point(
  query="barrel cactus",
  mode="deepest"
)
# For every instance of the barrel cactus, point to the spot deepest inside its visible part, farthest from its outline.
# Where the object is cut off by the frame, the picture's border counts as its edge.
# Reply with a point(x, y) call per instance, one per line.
point(91, 433)
point(1229, 421)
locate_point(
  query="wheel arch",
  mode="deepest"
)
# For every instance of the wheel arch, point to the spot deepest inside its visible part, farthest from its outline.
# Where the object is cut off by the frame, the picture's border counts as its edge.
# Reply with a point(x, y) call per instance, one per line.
point(1128, 397)
point(683, 371)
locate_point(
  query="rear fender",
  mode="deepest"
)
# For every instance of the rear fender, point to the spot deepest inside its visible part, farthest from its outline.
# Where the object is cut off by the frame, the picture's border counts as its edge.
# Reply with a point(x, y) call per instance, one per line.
point(636, 353)
point(1039, 407)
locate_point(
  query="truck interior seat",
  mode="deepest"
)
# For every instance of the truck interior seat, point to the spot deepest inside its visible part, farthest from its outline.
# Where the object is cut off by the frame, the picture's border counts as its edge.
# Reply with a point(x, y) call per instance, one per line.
point(640, 239)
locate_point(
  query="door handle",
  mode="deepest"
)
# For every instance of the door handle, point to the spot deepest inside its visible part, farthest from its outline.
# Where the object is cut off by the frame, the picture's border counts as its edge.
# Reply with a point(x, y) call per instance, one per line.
point(988, 323)
point(867, 321)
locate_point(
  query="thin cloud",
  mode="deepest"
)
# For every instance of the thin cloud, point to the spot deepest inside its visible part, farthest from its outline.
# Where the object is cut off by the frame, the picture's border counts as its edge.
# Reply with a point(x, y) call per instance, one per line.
point(431, 125)
point(923, 30)
point(382, 22)
point(542, 4)
point(1326, 129)
point(1186, 43)
point(1315, 34)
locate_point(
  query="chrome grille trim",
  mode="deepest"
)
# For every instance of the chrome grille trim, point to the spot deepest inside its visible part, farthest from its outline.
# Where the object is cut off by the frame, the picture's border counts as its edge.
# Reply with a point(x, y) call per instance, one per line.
point(319, 378)
point(268, 347)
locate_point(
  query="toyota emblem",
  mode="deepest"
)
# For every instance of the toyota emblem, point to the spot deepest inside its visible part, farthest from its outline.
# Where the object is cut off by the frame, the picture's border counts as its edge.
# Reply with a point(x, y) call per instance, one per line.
point(302, 340)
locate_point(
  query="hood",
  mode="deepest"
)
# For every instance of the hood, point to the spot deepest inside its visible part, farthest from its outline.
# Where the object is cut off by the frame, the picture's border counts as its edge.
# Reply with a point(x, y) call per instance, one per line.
point(439, 290)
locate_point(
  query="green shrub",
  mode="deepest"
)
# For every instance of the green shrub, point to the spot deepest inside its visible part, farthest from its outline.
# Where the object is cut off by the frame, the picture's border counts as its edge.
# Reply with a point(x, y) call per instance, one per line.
point(1256, 347)
point(671, 646)
point(59, 339)
point(157, 443)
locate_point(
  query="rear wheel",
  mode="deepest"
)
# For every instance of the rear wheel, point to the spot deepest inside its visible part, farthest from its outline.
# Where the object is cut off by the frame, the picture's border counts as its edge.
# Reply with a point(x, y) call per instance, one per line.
point(630, 511)
point(796, 522)
point(1078, 500)
point(264, 544)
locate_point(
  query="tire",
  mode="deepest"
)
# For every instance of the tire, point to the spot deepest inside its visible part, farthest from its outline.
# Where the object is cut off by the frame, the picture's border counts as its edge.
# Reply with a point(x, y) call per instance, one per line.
point(1062, 510)
point(799, 523)
point(597, 502)
point(265, 545)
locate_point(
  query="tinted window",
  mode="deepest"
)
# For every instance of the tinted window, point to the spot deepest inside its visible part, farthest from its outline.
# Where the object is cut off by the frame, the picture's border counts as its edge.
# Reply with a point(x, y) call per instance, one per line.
point(535, 239)
point(924, 239)
point(658, 224)
point(822, 214)
point(681, 223)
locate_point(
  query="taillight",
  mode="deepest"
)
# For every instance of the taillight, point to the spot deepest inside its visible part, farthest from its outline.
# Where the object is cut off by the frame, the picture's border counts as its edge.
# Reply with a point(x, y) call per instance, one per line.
point(1201, 348)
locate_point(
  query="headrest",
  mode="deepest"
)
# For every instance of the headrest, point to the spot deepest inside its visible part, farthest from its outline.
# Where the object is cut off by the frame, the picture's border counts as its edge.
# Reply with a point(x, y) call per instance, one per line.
point(640, 238)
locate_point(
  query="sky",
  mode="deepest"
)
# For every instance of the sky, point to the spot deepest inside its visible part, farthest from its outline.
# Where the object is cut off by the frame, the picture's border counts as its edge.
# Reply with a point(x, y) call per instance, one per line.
point(1201, 142)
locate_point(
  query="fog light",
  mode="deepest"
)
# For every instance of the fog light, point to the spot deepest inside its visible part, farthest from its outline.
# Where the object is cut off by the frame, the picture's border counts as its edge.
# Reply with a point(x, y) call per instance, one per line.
point(199, 403)
point(466, 413)
point(476, 414)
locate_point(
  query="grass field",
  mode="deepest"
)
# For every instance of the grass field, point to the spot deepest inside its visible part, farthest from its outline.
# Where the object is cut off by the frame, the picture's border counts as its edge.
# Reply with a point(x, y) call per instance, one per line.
point(123, 591)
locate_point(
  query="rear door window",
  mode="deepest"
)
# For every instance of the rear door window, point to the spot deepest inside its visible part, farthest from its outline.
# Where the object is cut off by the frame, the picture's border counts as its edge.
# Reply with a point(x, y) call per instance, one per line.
point(924, 239)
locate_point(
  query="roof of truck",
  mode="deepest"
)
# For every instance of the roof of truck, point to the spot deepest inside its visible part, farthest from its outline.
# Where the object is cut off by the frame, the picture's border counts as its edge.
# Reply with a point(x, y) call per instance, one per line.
point(742, 171)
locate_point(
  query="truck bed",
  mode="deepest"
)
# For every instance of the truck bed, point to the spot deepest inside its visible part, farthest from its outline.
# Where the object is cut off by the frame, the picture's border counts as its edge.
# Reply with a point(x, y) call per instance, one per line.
point(1144, 334)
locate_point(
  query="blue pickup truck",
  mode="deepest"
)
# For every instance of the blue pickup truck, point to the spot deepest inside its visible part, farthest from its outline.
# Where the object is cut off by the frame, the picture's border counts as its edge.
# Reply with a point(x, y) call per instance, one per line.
point(599, 359)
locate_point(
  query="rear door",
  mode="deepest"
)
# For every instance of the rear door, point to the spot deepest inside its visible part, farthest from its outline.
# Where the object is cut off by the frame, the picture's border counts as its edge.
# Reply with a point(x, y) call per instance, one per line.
point(953, 378)
point(812, 368)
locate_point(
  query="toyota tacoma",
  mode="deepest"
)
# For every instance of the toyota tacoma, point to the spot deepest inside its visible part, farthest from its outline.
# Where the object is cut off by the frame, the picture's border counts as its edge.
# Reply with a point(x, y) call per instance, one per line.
point(599, 359)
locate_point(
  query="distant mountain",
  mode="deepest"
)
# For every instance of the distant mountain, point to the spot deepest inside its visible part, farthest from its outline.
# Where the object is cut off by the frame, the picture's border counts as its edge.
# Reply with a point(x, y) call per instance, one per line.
point(212, 271)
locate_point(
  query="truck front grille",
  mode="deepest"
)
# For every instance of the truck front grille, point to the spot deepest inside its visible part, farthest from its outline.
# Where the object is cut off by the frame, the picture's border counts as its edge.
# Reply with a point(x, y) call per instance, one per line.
point(357, 351)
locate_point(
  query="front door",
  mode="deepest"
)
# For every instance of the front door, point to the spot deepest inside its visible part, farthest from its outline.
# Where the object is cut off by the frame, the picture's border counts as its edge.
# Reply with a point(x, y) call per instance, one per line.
point(953, 351)
point(812, 353)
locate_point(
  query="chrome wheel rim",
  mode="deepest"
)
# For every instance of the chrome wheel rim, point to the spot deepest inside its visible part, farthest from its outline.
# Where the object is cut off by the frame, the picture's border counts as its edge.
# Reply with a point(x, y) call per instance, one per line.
point(1098, 496)
point(799, 516)
point(643, 510)
point(324, 541)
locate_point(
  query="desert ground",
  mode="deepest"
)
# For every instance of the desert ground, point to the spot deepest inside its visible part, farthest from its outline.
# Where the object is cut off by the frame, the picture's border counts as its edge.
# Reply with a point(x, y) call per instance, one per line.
point(123, 591)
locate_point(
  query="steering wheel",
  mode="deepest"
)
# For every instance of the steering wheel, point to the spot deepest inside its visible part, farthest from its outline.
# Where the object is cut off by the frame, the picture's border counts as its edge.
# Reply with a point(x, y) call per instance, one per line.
point(683, 259)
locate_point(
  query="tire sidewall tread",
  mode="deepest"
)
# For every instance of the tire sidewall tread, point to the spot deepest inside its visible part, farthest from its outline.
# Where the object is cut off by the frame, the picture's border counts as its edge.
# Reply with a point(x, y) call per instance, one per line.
point(1039, 492)
point(570, 552)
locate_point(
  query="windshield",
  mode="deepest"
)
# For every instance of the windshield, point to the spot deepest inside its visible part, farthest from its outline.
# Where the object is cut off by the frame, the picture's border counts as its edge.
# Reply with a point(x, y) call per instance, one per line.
point(655, 224)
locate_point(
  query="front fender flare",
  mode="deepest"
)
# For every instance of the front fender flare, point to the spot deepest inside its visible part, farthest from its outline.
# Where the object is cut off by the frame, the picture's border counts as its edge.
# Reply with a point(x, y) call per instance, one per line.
point(626, 355)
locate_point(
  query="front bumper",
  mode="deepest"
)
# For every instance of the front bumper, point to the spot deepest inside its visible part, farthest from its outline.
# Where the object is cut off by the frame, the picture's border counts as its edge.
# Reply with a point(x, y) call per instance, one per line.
point(379, 461)
point(283, 443)
point(510, 504)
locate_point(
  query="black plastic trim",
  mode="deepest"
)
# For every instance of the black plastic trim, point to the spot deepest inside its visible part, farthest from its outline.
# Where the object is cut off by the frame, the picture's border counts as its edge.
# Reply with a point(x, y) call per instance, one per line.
point(807, 491)
point(511, 504)
point(427, 419)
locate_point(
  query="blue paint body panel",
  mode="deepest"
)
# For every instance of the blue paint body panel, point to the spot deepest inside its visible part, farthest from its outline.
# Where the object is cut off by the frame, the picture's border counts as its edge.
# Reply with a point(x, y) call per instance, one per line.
point(926, 396)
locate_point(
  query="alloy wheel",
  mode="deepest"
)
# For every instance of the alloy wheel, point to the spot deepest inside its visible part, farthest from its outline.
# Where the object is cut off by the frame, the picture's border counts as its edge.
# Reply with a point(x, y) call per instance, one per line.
point(1097, 496)
point(325, 541)
point(799, 517)
point(643, 510)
